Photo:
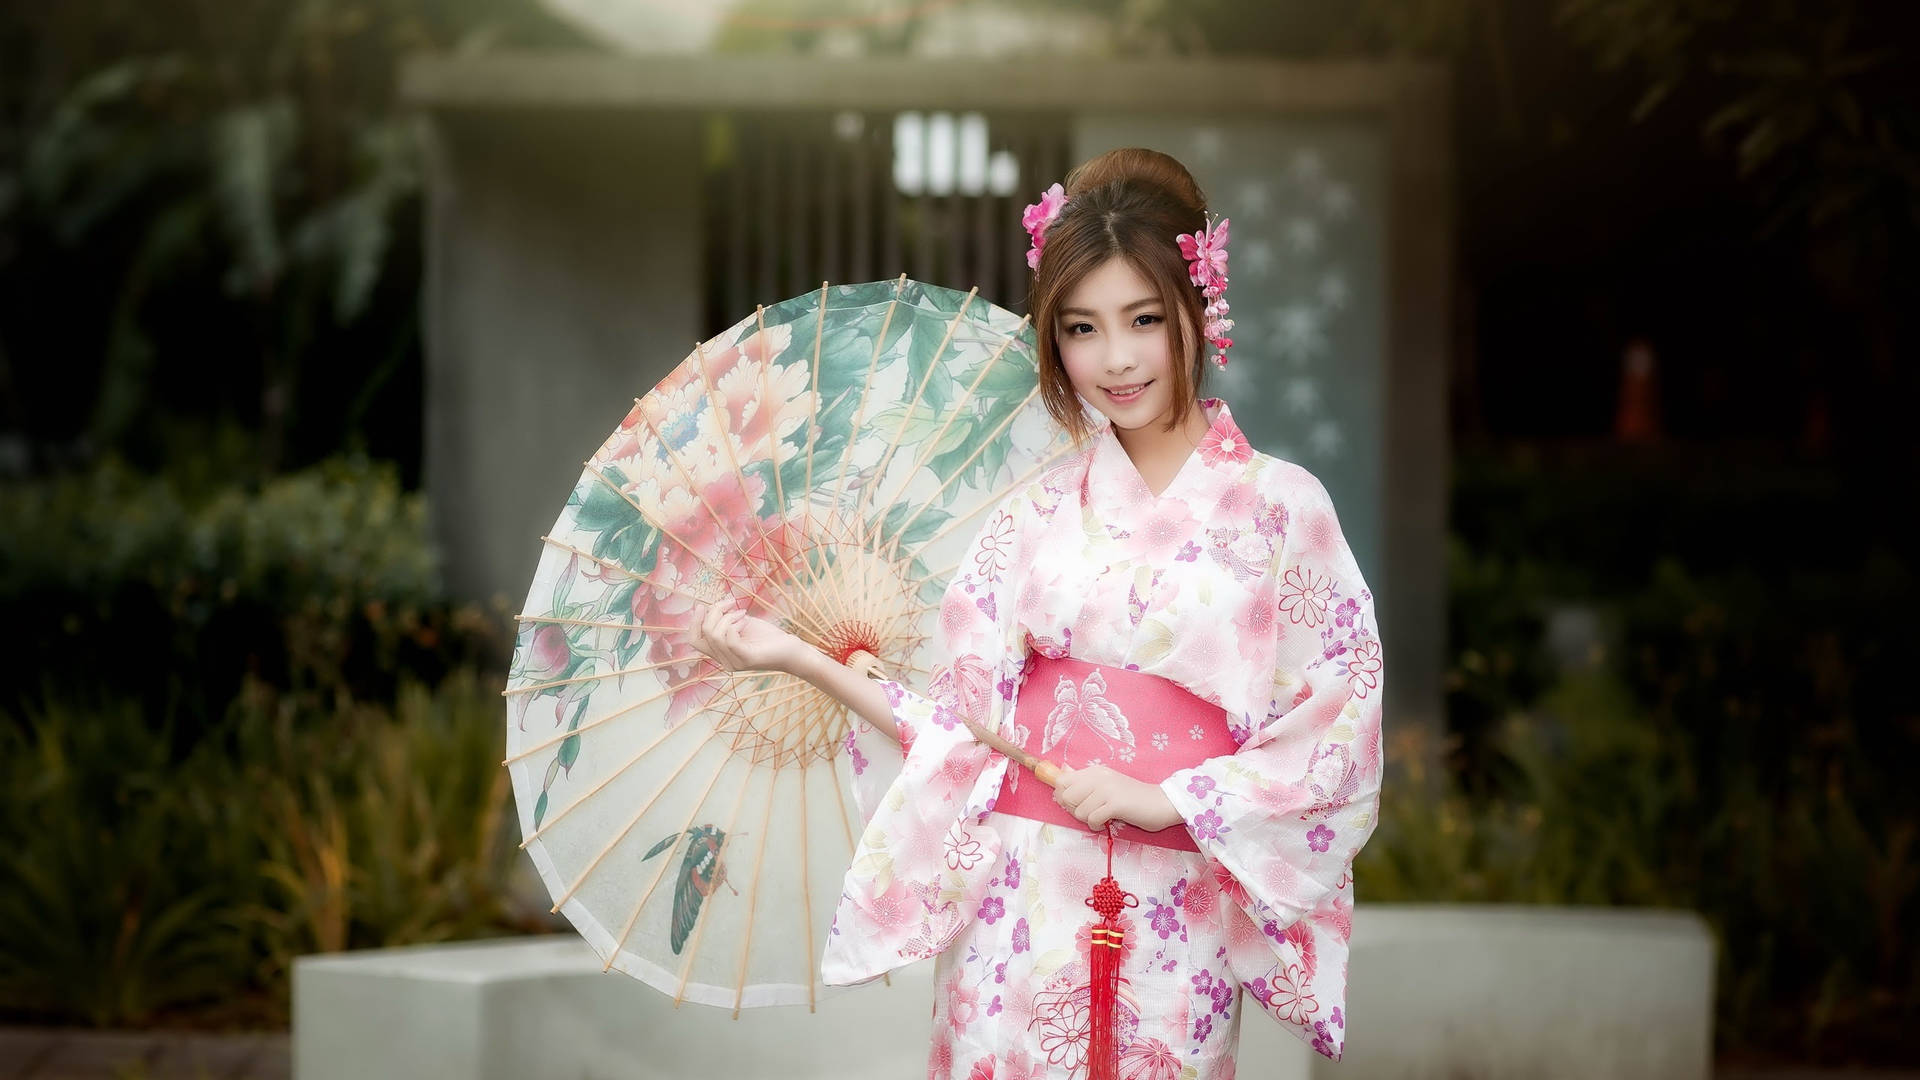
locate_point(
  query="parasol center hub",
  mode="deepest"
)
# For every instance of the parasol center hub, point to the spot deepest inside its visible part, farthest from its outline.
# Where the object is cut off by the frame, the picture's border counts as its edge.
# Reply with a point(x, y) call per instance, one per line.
point(850, 638)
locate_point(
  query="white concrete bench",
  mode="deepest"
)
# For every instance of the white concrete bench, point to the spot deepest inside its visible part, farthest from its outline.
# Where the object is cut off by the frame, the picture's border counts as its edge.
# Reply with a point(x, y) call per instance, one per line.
point(1511, 991)
point(1437, 991)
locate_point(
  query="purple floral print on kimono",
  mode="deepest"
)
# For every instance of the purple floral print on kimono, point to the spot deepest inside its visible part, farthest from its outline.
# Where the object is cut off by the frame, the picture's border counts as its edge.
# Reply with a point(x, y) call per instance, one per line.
point(1235, 583)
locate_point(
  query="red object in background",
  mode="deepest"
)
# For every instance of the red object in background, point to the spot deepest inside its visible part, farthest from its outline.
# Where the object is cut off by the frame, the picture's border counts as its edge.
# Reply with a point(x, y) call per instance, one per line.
point(1637, 418)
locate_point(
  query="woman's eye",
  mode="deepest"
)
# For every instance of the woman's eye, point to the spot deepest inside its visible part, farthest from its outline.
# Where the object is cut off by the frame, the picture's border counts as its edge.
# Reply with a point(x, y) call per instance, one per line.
point(1076, 328)
point(1146, 320)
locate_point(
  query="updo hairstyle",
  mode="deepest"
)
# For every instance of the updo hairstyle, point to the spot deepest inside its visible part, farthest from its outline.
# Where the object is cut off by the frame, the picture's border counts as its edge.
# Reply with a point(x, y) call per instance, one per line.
point(1130, 203)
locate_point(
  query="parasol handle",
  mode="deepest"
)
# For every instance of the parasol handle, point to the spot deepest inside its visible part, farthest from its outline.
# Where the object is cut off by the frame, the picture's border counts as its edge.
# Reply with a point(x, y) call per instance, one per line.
point(1047, 771)
point(868, 664)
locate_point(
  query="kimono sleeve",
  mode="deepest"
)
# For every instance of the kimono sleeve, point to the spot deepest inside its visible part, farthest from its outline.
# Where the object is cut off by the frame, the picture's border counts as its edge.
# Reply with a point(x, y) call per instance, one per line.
point(911, 886)
point(968, 649)
point(1283, 818)
point(969, 636)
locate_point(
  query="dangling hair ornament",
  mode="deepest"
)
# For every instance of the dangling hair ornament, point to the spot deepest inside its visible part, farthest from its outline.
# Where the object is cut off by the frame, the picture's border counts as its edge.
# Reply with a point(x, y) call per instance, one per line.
point(1038, 216)
point(1206, 255)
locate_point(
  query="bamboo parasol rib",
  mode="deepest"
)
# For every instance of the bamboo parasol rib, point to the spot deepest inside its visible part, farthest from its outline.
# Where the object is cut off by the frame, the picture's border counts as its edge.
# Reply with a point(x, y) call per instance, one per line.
point(768, 466)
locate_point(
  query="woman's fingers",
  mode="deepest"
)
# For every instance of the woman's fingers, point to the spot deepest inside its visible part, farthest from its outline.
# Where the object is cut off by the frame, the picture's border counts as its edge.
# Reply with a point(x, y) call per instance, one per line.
point(731, 636)
point(712, 635)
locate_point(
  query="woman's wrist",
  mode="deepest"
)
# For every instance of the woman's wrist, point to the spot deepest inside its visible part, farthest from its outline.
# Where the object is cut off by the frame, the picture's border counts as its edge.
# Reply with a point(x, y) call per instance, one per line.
point(802, 661)
point(843, 684)
point(1158, 809)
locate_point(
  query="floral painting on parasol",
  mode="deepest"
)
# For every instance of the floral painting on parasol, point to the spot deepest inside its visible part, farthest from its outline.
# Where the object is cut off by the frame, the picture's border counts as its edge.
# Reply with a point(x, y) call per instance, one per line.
point(826, 459)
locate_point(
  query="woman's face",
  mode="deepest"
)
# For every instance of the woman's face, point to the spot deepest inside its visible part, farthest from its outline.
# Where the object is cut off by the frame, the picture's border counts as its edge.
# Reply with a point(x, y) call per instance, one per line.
point(1111, 334)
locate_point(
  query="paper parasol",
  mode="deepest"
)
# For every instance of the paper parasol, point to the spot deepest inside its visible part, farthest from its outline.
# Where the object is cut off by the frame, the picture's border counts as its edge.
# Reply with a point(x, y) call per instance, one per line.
point(829, 458)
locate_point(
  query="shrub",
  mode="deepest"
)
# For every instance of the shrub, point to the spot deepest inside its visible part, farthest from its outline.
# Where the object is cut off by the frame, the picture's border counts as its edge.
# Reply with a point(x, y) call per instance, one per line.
point(169, 592)
point(152, 889)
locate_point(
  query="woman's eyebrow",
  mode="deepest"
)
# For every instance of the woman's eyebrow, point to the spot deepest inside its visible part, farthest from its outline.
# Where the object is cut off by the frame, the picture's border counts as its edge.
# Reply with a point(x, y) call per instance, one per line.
point(1146, 302)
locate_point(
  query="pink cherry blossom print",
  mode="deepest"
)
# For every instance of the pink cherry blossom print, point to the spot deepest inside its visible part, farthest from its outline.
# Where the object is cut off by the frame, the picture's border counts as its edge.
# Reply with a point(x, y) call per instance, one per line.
point(1238, 501)
point(1200, 900)
point(1346, 613)
point(1149, 1059)
point(1170, 524)
point(1257, 616)
point(893, 908)
point(957, 615)
point(963, 1005)
point(1224, 443)
point(1209, 826)
point(1300, 935)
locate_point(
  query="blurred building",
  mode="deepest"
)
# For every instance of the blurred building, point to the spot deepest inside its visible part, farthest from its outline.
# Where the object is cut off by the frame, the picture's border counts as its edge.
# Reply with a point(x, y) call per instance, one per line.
point(592, 215)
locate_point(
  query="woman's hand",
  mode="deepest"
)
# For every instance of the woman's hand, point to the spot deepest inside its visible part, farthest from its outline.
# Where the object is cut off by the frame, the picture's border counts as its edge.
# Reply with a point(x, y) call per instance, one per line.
point(1097, 795)
point(738, 641)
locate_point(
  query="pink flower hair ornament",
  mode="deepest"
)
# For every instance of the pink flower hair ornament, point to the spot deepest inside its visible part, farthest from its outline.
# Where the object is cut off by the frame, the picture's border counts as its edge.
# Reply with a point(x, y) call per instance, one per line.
point(1205, 252)
point(1206, 255)
point(1037, 217)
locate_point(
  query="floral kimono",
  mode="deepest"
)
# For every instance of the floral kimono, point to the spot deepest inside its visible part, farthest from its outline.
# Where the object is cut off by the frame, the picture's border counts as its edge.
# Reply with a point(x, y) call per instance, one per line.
point(1234, 583)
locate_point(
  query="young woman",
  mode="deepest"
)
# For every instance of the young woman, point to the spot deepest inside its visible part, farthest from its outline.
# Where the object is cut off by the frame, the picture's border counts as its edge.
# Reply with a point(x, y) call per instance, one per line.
point(1175, 619)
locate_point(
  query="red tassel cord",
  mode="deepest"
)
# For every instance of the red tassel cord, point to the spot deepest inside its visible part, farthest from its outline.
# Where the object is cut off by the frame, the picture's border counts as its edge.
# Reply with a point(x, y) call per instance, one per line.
point(1107, 941)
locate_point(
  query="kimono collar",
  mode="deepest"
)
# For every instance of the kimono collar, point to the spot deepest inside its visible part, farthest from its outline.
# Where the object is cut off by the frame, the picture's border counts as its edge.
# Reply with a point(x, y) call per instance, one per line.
point(1114, 483)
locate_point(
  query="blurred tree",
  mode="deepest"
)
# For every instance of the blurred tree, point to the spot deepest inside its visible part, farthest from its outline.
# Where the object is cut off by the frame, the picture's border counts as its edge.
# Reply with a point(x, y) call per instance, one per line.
point(149, 150)
point(1819, 106)
point(1814, 101)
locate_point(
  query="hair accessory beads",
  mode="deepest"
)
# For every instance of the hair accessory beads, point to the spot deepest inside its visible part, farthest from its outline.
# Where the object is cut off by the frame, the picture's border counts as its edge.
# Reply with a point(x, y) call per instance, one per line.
point(1206, 255)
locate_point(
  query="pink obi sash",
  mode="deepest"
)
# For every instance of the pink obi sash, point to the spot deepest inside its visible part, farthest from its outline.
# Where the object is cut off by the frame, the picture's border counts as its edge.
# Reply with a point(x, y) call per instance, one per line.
point(1145, 726)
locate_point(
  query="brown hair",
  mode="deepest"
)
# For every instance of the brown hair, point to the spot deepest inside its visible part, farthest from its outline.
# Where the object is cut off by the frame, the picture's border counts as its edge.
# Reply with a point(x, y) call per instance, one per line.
point(1129, 203)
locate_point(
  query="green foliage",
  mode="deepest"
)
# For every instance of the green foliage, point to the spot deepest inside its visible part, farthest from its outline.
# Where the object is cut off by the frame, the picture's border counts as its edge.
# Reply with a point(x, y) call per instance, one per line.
point(379, 824)
point(120, 874)
point(1807, 96)
point(1735, 743)
point(322, 578)
point(150, 887)
point(193, 209)
point(1811, 890)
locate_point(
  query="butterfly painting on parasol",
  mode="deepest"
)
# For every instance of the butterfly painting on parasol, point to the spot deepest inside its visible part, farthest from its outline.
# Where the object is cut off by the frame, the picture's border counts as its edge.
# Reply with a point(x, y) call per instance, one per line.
point(826, 459)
